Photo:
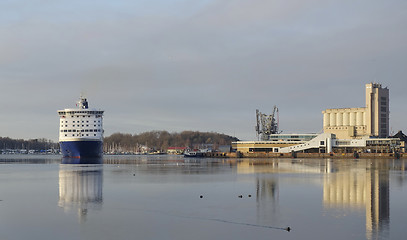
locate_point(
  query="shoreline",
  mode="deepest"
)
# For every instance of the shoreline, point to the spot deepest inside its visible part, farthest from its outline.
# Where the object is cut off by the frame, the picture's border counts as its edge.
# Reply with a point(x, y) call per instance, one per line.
point(309, 155)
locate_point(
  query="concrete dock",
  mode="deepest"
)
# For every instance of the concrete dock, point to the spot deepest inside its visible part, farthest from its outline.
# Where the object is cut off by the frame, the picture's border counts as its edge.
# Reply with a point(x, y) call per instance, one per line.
point(308, 155)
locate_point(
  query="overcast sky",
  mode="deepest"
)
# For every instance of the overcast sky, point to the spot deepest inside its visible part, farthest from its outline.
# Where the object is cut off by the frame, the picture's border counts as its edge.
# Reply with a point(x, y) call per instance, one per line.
point(202, 65)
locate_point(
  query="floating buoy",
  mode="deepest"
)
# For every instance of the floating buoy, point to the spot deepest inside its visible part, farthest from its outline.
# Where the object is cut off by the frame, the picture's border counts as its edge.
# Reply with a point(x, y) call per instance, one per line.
point(201, 196)
point(250, 195)
point(240, 196)
point(288, 229)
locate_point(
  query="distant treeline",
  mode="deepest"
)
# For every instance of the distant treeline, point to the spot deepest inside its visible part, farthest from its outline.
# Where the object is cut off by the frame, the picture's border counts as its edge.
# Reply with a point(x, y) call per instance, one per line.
point(161, 140)
point(32, 144)
point(153, 140)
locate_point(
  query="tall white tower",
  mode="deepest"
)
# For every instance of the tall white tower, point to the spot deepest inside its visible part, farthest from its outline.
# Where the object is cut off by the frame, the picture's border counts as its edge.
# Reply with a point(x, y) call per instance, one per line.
point(377, 104)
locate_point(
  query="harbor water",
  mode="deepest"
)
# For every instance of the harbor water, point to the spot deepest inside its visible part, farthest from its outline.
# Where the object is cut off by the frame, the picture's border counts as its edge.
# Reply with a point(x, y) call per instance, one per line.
point(169, 197)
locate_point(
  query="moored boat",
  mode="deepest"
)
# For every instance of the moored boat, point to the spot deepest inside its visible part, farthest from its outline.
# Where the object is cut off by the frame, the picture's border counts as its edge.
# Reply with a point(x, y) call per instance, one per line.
point(194, 153)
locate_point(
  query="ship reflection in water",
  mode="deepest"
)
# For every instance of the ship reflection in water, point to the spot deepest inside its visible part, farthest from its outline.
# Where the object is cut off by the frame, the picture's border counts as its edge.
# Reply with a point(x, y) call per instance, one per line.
point(87, 160)
point(362, 186)
point(80, 188)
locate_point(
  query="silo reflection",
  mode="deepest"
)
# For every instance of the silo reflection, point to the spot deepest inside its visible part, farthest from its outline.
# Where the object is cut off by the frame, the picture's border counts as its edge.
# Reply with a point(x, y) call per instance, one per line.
point(365, 186)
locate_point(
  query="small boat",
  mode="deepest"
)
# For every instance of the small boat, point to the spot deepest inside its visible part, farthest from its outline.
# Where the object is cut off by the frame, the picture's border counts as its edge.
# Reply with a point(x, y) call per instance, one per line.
point(193, 153)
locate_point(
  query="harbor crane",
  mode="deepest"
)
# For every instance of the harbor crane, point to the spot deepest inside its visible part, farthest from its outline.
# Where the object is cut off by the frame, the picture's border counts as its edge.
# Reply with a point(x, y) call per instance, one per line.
point(267, 124)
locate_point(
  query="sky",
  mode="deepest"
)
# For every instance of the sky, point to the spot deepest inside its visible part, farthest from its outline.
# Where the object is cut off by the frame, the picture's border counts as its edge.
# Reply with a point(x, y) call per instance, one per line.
point(200, 65)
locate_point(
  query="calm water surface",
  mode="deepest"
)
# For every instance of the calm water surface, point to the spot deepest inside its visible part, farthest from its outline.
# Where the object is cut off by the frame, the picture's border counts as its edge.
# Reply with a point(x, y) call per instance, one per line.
point(159, 197)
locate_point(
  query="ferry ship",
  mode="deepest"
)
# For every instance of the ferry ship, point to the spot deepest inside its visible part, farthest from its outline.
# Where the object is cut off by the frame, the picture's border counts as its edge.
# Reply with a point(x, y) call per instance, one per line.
point(81, 131)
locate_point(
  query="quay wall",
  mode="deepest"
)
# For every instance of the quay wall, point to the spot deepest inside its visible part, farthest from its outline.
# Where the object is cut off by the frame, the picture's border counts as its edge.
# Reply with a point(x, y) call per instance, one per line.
point(308, 155)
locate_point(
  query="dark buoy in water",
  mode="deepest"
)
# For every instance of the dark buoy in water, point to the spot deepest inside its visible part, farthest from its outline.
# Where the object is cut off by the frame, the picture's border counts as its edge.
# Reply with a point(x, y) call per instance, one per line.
point(134, 174)
point(288, 229)
point(240, 196)
point(201, 196)
point(250, 195)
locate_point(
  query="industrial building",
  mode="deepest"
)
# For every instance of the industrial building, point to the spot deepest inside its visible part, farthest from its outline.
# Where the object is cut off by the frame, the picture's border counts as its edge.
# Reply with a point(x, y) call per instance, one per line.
point(346, 130)
point(369, 121)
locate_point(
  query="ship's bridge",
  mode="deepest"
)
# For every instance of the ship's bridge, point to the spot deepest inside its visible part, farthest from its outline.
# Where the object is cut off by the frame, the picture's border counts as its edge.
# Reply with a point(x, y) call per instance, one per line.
point(79, 112)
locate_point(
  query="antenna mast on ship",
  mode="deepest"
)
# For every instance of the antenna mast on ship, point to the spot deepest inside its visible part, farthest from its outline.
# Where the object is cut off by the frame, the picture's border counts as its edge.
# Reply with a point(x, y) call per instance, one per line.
point(83, 103)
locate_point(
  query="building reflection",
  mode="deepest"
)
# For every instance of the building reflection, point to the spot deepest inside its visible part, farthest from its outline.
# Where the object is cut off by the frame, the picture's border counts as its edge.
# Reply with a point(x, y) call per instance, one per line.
point(267, 196)
point(80, 188)
point(352, 185)
point(362, 187)
point(267, 189)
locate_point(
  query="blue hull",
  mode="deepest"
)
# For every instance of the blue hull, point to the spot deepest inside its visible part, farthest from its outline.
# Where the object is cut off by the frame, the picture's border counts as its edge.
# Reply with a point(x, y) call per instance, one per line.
point(82, 149)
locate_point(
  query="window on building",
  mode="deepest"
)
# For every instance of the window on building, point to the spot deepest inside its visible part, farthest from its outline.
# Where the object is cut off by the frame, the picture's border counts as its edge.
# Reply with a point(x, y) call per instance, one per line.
point(322, 143)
